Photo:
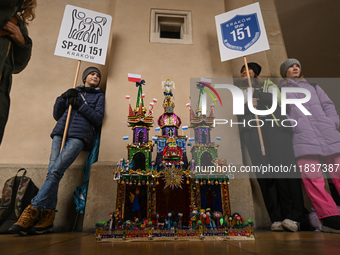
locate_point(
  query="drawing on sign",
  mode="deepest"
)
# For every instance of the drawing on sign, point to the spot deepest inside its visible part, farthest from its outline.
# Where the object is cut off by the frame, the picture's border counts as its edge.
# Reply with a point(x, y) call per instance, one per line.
point(241, 32)
point(86, 29)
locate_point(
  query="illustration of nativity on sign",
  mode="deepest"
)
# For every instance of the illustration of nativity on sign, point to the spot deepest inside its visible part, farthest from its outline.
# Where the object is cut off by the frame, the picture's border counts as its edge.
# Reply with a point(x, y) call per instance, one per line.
point(166, 198)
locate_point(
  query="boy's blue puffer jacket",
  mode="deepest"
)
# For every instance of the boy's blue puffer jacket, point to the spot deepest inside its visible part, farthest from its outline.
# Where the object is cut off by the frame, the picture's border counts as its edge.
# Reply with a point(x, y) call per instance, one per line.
point(85, 120)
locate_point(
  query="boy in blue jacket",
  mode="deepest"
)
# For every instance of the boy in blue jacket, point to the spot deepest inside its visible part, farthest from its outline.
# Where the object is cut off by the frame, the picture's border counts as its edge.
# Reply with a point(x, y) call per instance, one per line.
point(87, 115)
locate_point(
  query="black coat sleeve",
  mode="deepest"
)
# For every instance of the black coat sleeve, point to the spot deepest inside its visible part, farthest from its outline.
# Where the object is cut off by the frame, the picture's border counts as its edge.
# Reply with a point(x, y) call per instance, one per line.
point(22, 53)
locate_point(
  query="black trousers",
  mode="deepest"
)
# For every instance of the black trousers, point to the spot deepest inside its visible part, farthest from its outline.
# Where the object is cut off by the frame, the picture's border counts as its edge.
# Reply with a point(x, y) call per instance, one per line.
point(5, 87)
point(282, 192)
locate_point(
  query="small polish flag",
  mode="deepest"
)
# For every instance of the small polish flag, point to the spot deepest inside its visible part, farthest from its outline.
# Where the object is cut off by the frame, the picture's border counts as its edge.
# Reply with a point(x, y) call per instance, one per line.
point(154, 100)
point(134, 77)
point(151, 103)
point(191, 139)
point(126, 137)
point(157, 129)
point(205, 80)
point(187, 105)
point(218, 138)
point(143, 95)
point(154, 138)
point(185, 128)
point(127, 97)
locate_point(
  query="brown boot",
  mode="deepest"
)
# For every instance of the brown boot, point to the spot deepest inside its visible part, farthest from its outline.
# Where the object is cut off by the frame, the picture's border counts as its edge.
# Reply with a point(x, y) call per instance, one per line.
point(26, 220)
point(45, 224)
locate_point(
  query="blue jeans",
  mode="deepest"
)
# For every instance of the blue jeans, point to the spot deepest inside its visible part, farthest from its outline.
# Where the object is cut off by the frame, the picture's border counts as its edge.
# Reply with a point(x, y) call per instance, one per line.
point(48, 194)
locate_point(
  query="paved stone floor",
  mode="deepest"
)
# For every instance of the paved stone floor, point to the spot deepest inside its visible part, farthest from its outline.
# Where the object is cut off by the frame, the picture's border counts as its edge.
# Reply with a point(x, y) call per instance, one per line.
point(84, 243)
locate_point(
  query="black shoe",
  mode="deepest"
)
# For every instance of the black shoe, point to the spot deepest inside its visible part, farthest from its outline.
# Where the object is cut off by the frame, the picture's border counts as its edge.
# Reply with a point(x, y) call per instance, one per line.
point(331, 224)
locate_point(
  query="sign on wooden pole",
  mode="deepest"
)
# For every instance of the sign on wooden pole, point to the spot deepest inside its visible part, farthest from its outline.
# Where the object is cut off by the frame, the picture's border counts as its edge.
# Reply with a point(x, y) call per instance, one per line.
point(83, 35)
point(241, 32)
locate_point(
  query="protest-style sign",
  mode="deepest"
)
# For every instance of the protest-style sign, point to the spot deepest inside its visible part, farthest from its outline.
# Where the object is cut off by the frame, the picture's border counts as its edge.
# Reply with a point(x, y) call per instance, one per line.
point(241, 32)
point(84, 35)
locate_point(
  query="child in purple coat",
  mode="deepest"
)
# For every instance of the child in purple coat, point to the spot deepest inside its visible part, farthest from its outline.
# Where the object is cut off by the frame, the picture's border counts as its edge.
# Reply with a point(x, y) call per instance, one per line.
point(315, 141)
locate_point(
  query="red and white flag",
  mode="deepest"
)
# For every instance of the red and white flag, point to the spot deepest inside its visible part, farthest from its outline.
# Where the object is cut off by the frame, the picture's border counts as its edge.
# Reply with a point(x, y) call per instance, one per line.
point(187, 105)
point(151, 103)
point(154, 100)
point(127, 97)
point(205, 80)
point(143, 95)
point(134, 77)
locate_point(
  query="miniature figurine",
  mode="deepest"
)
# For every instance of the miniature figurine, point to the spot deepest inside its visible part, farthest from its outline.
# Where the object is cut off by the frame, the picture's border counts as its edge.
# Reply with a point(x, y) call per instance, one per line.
point(118, 219)
point(175, 230)
point(136, 223)
point(111, 223)
point(169, 219)
point(194, 217)
point(217, 216)
point(150, 230)
point(212, 224)
point(204, 218)
point(200, 229)
point(167, 85)
point(237, 220)
point(192, 165)
point(134, 199)
point(179, 218)
point(159, 221)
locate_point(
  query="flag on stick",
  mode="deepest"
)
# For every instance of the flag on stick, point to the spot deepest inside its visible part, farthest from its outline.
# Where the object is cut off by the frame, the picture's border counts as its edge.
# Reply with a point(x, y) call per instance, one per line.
point(134, 77)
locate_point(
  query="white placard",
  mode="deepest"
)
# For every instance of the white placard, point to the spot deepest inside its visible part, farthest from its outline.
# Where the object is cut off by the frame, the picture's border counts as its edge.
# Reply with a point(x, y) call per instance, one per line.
point(241, 32)
point(84, 35)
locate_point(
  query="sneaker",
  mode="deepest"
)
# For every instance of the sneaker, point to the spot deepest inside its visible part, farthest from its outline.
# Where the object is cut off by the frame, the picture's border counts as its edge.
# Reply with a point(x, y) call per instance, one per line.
point(26, 220)
point(277, 226)
point(331, 224)
point(291, 225)
point(45, 223)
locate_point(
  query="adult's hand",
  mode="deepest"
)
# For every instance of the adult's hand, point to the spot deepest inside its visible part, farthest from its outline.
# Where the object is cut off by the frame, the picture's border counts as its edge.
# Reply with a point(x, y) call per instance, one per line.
point(14, 33)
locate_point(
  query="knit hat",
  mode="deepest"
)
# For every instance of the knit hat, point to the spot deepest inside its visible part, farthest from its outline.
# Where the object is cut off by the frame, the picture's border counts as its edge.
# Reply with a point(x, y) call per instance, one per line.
point(286, 64)
point(255, 67)
point(89, 70)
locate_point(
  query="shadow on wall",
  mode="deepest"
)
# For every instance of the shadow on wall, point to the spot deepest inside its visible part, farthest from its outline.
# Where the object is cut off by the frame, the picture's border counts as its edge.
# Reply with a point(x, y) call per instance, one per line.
point(310, 35)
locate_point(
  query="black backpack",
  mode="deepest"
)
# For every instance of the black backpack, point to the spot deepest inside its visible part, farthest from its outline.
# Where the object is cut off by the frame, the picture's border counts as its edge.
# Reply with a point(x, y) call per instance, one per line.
point(17, 194)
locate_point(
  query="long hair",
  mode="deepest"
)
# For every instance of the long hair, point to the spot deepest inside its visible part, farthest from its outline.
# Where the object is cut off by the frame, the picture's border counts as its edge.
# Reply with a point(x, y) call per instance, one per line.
point(29, 13)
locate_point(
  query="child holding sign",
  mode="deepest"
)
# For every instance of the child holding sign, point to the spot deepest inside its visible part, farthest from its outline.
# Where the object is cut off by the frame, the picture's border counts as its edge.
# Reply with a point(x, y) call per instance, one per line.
point(87, 115)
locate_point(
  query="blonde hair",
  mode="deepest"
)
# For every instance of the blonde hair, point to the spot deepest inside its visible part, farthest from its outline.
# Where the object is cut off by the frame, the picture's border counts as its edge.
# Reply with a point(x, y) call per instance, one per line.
point(29, 13)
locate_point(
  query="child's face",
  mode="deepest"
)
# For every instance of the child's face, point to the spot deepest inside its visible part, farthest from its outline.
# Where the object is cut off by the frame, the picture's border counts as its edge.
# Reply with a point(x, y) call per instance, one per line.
point(92, 79)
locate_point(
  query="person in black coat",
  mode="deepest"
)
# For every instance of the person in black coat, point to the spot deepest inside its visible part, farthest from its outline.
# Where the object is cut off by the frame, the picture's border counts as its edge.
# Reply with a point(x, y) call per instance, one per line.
point(282, 192)
point(15, 48)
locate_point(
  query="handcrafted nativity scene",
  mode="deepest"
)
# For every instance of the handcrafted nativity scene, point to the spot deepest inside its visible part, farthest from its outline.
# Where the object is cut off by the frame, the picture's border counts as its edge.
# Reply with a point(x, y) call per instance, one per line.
point(168, 197)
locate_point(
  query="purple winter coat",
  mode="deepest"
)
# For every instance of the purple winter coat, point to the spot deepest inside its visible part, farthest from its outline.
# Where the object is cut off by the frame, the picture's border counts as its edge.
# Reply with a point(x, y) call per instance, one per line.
point(314, 134)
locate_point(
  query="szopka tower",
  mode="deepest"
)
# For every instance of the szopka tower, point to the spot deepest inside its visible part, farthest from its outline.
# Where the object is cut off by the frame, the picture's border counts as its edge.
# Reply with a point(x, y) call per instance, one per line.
point(139, 151)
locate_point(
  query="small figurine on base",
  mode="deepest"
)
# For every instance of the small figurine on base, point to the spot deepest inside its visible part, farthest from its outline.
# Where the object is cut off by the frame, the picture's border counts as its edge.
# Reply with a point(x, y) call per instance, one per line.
point(159, 221)
point(200, 229)
point(175, 230)
point(194, 218)
point(179, 218)
point(169, 219)
point(150, 230)
point(205, 221)
point(118, 220)
point(99, 229)
point(211, 224)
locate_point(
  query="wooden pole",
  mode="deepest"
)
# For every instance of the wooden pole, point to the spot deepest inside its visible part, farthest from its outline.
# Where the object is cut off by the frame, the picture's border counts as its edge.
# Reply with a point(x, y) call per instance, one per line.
point(256, 117)
point(70, 109)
